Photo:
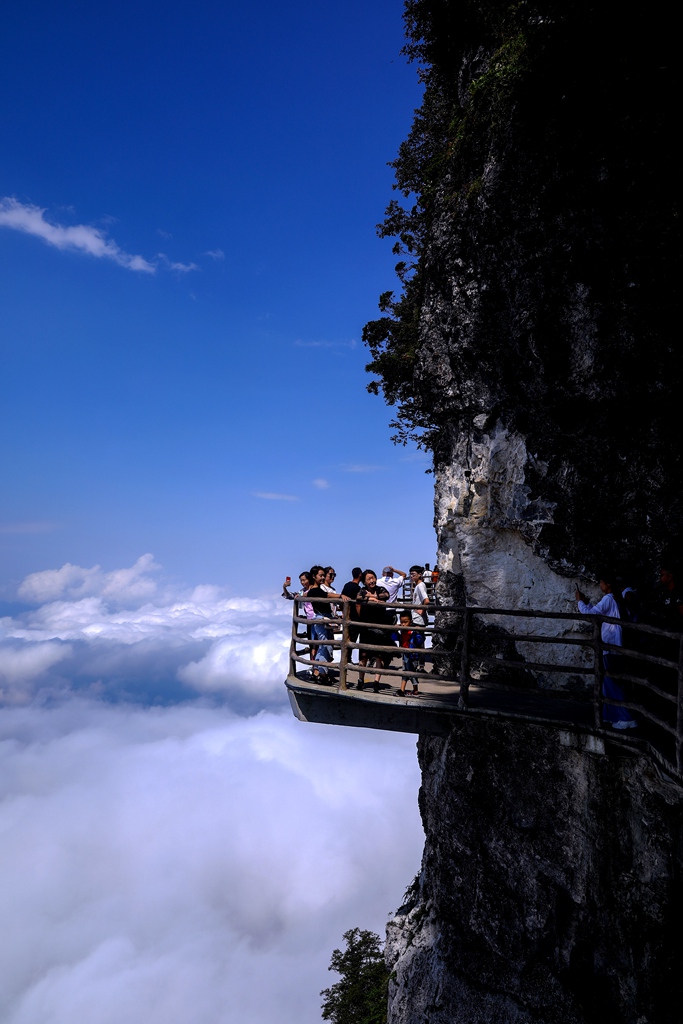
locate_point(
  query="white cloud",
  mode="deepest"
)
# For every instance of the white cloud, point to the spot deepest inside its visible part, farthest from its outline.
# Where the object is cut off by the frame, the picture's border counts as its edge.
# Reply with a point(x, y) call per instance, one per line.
point(161, 866)
point(258, 660)
point(360, 467)
point(182, 268)
point(128, 635)
point(22, 666)
point(72, 581)
point(321, 483)
point(215, 254)
point(83, 238)
point(272, 496)
point(326, 344)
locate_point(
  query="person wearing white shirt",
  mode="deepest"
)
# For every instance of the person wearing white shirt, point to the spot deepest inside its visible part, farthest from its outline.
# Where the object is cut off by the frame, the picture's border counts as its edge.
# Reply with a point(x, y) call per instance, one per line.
point(392, 580)
point(420, 595)
point(618, 718)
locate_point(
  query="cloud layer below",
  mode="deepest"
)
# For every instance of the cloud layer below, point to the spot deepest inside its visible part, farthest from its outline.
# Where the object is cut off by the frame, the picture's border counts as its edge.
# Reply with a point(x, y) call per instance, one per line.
point(161, 866)
point(197, 860)
point(125, 635)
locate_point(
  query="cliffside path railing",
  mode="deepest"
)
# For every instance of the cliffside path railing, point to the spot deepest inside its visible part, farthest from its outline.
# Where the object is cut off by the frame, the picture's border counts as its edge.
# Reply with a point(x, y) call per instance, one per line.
point(483, 649)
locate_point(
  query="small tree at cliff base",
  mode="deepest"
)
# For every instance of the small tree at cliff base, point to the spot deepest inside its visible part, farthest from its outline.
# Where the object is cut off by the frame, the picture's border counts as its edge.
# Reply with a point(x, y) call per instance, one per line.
point(360, 995)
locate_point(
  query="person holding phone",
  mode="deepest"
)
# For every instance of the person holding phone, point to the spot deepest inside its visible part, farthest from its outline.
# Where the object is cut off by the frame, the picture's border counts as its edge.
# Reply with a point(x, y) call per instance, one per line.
point(304, 580)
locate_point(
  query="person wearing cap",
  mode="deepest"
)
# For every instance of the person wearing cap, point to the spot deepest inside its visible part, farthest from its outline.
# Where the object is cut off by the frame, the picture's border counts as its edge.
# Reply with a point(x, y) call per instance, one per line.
point(392, 580)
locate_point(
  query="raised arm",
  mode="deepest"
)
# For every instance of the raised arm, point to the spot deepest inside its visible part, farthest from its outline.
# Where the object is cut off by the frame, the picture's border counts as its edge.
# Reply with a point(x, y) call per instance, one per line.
point(603, 606)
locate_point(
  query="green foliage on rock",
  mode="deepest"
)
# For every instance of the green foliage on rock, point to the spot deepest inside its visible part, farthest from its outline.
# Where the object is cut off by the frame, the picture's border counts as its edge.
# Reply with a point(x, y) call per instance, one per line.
point(440, 167)
point(360, 995)
point(538, 239)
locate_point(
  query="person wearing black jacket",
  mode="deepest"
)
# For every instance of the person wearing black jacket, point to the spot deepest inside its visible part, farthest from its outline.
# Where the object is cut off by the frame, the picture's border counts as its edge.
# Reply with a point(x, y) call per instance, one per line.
point(351, 591)
point(371, 611)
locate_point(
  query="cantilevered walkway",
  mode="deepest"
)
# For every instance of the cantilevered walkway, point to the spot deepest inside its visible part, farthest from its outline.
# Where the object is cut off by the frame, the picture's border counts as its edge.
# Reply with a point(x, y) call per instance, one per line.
point(514, 664)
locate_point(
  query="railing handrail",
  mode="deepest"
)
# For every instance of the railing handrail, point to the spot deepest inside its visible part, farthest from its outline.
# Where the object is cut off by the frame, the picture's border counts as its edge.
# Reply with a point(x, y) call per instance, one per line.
point(521, 613)
point(461, 632)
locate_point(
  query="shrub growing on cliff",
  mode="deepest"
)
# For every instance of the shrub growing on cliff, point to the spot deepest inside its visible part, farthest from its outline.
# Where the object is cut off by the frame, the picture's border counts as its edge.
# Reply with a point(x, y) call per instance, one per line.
point(360, 995)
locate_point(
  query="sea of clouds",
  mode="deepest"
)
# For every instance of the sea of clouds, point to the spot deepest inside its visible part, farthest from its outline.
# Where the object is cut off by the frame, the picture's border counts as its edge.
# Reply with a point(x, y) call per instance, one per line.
point(176, 848)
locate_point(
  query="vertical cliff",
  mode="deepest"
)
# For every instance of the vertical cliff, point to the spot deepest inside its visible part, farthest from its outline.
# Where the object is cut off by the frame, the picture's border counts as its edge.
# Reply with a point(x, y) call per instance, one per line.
point(533, 347)
point(550, 888)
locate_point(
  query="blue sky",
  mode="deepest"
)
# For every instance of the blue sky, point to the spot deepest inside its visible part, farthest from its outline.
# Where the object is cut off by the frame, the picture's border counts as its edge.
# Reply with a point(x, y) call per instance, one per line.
point(188, 200)
point(192, 385)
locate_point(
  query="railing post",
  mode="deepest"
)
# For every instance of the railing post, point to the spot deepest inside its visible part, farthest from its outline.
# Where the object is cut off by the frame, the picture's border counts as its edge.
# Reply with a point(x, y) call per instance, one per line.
point(292, 645)
point(465, 659)
point(679, 709)
point(599, 671)
point(344, 656)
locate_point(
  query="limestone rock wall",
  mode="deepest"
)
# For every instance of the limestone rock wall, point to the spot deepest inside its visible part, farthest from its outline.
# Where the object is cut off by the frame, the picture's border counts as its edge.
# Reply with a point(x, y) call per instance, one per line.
point(538, 327)
point(487, 523)
point(534, 341)
point(550, 889)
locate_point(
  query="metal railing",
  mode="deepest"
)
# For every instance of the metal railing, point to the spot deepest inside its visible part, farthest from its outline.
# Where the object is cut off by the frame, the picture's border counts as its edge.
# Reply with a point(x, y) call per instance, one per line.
point(479, 647)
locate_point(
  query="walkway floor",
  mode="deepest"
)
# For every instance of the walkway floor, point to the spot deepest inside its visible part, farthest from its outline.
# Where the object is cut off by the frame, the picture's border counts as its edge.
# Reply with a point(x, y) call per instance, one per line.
point(437, 696)
point(446, 696)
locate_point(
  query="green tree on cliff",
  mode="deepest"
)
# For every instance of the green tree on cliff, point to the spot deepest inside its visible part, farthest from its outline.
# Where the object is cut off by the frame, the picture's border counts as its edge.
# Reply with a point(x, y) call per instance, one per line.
point(360, 995)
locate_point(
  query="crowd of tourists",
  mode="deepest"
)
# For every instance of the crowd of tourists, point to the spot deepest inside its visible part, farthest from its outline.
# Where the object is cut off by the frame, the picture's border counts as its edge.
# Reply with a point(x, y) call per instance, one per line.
point(369, 598)
point(372, 609)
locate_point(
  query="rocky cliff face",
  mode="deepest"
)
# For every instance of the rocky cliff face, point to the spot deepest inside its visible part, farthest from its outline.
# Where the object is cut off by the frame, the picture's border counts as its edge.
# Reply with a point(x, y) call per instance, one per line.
point(550, 888)
point(533, 349)
point(534, 345)
point(488, 523)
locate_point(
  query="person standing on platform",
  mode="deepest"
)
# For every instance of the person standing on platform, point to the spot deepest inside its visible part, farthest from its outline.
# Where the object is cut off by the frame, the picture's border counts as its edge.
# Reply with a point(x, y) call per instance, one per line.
point(350, 591)
point(669, 599)
point(392, 581)
point(419, 595)
point(328, 586)
point(609, 605)
point(305, 608)
point(351, 588)
point(320, 629)
point(410, 641)
point(372, 614)
point(305, 580)
point(667, 613)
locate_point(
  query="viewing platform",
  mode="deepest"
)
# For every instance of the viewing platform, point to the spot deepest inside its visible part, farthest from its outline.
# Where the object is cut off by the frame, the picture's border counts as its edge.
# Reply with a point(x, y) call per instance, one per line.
point(483, 662)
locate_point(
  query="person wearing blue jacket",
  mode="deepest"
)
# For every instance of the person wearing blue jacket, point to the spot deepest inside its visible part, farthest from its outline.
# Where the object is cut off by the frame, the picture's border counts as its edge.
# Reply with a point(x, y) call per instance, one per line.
point(410, 641)
point(612, 605)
